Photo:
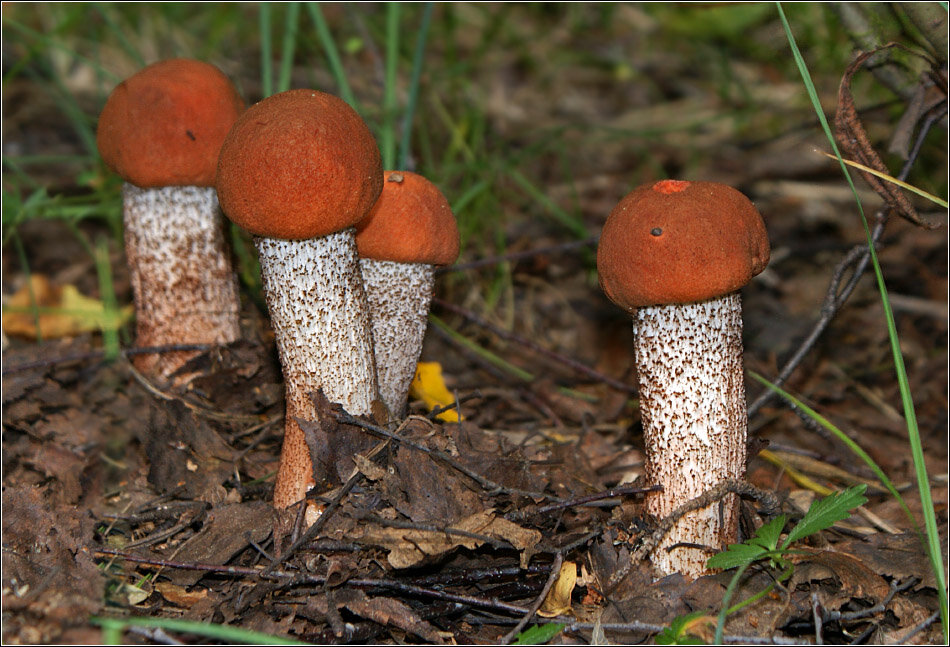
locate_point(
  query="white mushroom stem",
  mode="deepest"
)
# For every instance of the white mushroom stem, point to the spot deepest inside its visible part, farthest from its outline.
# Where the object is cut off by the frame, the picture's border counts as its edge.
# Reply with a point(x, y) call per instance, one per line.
point(183, 283)
point(692, 402)
point(398, 296)
point(318, 311)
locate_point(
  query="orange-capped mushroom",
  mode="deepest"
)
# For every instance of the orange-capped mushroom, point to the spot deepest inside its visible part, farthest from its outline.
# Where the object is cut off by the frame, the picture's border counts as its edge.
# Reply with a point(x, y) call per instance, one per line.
point(678, 242)
point(164, 125)
point(161, 130)
point(410, 230)
point(675, 254)
point(298, 170)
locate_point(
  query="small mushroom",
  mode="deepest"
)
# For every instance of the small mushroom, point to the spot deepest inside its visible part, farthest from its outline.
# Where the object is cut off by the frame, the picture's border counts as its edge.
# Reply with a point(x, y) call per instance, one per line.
point(675, 254)
point(409, 231)
point(161, 130)
point(299, 170)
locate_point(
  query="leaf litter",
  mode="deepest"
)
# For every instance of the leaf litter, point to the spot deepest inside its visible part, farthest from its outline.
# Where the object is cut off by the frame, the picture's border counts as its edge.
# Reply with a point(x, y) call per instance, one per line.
point(127, 498)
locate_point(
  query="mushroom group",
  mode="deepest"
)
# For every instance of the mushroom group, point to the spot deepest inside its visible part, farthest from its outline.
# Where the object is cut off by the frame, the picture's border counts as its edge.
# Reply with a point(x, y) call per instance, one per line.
point(161, 130)
point(299, 170)
point(675, 254)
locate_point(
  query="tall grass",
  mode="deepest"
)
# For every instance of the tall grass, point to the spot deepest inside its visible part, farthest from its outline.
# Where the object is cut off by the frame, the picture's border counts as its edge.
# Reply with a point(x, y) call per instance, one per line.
point(932, 538)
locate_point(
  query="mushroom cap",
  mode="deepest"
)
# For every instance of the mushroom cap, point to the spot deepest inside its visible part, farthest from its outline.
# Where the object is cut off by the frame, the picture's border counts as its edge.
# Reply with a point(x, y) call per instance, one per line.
point(164, 125)
point(680, 242)
point(411, 222)
point(299, 164)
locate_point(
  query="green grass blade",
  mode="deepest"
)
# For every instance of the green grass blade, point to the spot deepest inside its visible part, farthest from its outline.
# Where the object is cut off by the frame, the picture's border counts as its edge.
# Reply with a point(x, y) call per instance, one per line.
point(844, 438)
point(105, 12)
point(387, 134)
point(267, 74)
point(332, 54)
point(727, 596)
point(288, 46)
point(538, 634)
point(923, 482)
point(112, 316)
point(25, 264)
point(573, 223)
point(223, 633)
point(402, 160)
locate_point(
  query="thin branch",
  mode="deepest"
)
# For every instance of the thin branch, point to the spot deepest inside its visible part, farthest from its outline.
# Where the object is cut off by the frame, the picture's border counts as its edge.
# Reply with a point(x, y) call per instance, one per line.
point(100, 354)
point(707, 498)
point(552, 578)
point(518, 256)
point(487, 484)
point(573, 364)
point(836, 296)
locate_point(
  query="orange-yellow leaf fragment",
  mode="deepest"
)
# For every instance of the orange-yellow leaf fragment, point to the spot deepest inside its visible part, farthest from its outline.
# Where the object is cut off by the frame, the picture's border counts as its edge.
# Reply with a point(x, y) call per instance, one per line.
point(558, 600)
point(427, 385)
point(60, 311)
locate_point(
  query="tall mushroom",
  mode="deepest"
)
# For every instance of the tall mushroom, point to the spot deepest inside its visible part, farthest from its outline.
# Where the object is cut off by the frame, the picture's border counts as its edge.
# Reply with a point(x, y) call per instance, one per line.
point(161, 130)
point(675, 254)
point(409, 231)
point(299, 170)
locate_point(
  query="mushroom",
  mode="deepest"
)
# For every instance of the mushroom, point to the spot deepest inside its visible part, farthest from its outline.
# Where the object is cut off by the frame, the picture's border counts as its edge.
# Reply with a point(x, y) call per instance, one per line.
point(161, 130)
point(409, 231)
point(299, 170)
point(675, 254)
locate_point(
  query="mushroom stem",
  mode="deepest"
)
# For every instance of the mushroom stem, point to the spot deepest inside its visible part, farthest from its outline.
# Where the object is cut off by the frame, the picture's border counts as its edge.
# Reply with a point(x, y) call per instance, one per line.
point(692, 402)
point(321, 324)
point(183, 283)
point(398, 295)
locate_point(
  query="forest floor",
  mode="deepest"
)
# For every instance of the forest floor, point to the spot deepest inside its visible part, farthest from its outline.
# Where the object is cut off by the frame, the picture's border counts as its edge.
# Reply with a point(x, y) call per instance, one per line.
point(124, 498)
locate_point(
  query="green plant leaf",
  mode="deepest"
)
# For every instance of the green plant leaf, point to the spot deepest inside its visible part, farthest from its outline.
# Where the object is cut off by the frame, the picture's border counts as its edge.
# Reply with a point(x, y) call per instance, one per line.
point(755, 548)
point(538, 634)
point(768, 534)
point(737, 555)
point(678, 631)
point(824, 513)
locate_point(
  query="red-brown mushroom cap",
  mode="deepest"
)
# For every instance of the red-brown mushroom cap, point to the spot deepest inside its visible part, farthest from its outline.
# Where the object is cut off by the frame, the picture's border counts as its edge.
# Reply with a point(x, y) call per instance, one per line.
point(164, 125)
point(411, 222)
point(299, 164)
point(680, 242)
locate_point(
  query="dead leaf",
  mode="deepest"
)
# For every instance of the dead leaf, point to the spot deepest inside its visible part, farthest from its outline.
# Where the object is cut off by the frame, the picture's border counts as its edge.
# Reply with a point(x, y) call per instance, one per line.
point(851, 135)
point(855, 579)
point(898, 556)
point(411, 547)
point(388, 612)
point(226, 532)
point(427, 385)
point(369, 469)
point(179, 595)
point(62, 312)
point(558, 600)
point(174, 436)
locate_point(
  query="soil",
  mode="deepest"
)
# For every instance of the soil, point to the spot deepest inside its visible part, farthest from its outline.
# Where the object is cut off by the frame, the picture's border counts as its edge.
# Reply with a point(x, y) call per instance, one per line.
point(124, 497)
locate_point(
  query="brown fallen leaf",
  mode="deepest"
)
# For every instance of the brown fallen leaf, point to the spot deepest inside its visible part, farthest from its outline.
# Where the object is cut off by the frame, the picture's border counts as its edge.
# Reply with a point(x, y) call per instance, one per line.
point(61, 311)
point(558, 600)
point(411, 547)
point(851, 135)
point(179, 595)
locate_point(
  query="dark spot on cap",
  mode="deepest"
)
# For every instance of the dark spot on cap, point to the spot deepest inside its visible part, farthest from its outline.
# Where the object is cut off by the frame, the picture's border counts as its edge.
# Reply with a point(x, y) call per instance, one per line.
point(656, 231)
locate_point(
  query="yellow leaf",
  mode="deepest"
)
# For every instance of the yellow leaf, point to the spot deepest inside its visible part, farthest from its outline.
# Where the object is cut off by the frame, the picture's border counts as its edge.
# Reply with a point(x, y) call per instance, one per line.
point(62, 311)
point(558, 600)
point(428, 386)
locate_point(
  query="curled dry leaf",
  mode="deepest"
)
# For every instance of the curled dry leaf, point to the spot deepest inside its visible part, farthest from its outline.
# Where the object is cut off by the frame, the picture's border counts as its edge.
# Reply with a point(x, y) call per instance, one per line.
point(558, 600)
point(851, 135)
